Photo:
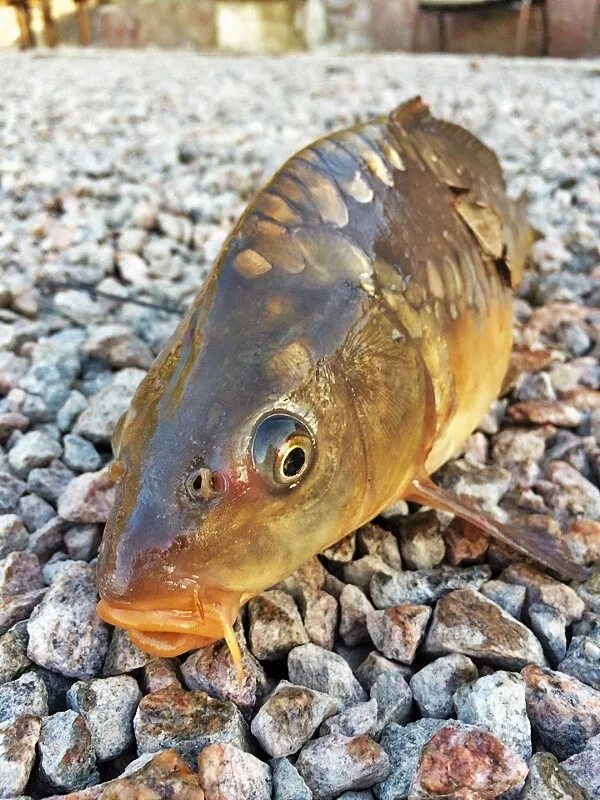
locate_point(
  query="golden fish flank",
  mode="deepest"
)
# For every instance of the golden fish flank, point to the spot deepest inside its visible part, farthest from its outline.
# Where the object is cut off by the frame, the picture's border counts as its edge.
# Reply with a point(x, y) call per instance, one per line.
point(323, 372)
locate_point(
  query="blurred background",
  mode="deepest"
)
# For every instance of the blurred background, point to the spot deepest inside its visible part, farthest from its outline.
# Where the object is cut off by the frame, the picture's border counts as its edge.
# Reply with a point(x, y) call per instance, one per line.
point(561, 28)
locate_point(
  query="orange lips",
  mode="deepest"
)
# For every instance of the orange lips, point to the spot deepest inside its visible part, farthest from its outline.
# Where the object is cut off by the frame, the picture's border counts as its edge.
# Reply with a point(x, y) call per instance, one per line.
point(168, 632)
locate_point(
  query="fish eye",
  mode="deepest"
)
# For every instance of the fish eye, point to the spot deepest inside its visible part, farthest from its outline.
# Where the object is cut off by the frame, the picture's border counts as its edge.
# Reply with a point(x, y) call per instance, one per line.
point(283, 450)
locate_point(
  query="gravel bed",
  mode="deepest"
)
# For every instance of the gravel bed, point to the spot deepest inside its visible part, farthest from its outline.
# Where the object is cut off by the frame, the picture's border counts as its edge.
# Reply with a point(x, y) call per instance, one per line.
point(413, 650)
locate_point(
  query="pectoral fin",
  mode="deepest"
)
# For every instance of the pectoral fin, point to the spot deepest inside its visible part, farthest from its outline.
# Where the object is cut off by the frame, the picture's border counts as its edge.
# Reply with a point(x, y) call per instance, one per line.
point(533, 543)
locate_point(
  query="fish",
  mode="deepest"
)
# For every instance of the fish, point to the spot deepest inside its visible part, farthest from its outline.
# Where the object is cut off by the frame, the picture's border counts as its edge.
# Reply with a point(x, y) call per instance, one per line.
point(354, 330)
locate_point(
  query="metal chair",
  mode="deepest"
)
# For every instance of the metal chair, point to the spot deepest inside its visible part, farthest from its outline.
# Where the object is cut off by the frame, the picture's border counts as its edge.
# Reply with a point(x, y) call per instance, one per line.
point(443, 7)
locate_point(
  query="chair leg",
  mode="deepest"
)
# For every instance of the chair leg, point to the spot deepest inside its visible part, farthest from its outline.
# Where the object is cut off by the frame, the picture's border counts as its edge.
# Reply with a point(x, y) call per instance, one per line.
point(416, 31)
point(545, 29)
point(442, 31)
point(522, 27)
point(50, 34)
point(85, 36)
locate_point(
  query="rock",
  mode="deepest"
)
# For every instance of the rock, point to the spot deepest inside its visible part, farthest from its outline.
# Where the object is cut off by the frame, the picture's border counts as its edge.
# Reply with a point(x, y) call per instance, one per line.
point(434, 685)
point(323, 671)
point(34, 511)
point(161, 775)
point(583, 540)
point(51, 378)
point(123, 656)
point(372, 540)
point(25, 695)
point(467, 622)
point(310, 575)
point(342, 551)
point(361, 572)
point(108, 706)
point(508, 596)
point(354, 608)
point(18, 608)
point(33, 449)
point(578, 496)
point(335, 764)
point(119, 347)
point(320, 614)
point(11, 421)
point(465, 544)
point(45, 541)
point(187, 722)
point(421, 543)
point(375, 665)
point(546, 412)
point(13, 652)
point(18, 739)
point(97, 422)
point(397, 631)
point(394, 699)
point(212, 670)
point(513, 446)
point(67, 759)
point(543, 589)
point(583, 661)
point(589, 625)
point(289, 717)
point(70, 410)
point(424, 586)
point(356, 720)
point(11, 489)
point(584, 768)
point(19, 573)
point(50, 482)
point(547, 780)
point(275, 625)
point(159, 673)
point(82, 542)
point(80, 455)
point(496, 703)
point(549, 625)
point(485, 484)
point(466, 765)
point(403, 744)
point(227, 773)
point(65, 634)
point(87, 498)
point(564, 712)
point(287, 782)
point(13, 534)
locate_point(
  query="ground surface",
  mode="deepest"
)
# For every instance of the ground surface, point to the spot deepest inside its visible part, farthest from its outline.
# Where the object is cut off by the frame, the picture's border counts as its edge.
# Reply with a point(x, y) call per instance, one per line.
point(123, 173)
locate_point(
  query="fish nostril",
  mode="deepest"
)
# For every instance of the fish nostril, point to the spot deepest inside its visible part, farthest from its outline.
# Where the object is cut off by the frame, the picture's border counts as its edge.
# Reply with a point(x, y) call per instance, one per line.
point(204, 484)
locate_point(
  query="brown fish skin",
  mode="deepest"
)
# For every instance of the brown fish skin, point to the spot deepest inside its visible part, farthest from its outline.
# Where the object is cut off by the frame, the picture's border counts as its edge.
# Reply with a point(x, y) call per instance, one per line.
point(366, 291)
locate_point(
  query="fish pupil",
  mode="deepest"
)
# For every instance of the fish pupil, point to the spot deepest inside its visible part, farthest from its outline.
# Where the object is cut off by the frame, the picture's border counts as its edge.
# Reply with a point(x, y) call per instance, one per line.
point(197, 483)
point(293, 462)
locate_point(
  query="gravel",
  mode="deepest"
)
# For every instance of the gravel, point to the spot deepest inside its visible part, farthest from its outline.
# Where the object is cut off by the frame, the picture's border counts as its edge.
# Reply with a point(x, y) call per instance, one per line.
point(121, 178)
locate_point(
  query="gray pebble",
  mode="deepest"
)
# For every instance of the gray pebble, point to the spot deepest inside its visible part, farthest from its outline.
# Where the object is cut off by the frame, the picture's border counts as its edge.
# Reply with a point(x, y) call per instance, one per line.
point(289, 717)
point(496, 703)
point(50, 482)
point(287, 782)
point(433, 687)
point(79, 454)
point(583, 660)
point(35, 511)
point(335, 764)
point(276, 626)
point(25, 695)
point(510, 597)
point(549, 625)
point(584, 768)
point(82, 541)
point(65, 633)
point(188, 722)
point(354, 607)
point(11, 489)
point(18, 739)
point(108, 706)
point(394, 699)
point(34, 449)
point(73, 406)
point(398, 631)
point(225, 770)
point(424, 586)
point(13, 534)
point(19, 573)
point(105, 408)
point(354, 721)
point(13, 652)
point(67, 759)
point(319, 669)
point(421, 543)
point(123, 656)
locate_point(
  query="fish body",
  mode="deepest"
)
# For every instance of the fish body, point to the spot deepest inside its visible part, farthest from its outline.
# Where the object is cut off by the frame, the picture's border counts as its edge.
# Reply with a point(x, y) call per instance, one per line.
point(354, 330)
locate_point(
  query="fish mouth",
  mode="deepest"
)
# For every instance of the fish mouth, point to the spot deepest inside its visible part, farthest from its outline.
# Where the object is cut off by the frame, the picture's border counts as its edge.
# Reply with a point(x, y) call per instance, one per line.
point(169, 632)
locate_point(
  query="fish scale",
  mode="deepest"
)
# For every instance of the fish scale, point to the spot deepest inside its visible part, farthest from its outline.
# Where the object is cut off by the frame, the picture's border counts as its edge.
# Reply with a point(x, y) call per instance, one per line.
point(355, 328)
